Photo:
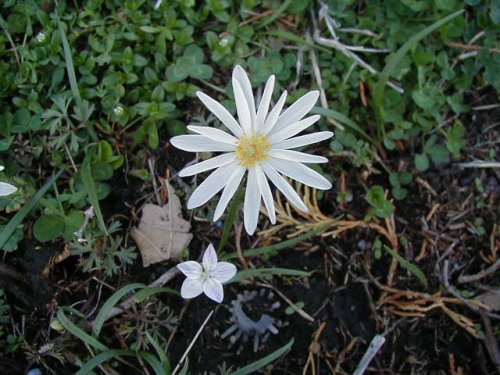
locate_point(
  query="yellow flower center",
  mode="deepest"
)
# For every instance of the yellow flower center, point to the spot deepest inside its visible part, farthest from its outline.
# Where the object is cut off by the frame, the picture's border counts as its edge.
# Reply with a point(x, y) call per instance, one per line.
point(252, 149)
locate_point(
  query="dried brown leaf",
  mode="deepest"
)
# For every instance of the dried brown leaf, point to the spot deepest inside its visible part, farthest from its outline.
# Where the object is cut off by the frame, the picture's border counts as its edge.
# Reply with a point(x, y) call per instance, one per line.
point(162, 233)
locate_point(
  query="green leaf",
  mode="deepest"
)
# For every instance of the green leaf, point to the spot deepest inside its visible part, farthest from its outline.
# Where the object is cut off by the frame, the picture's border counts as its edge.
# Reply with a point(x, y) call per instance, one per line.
point(48, 227)
point(201, 71)
point(261, 363)
point(409, 266)
point(102, 171)
point(376, 197)
point(78, 332)
point(72, 222)
point(395, 59)
point(90, 188)
point(421, 162)
point(18, 218)
point(109, 304)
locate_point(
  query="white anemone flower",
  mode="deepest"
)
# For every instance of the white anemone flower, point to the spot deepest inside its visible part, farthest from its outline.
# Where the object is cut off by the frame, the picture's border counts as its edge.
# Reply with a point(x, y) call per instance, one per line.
point(261, 144)
point(206, 277)
point(5, 188)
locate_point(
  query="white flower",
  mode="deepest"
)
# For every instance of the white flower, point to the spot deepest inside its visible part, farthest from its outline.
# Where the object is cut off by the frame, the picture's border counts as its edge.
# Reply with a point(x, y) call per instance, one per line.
point(118, 110)
point(40, 37)
point(206, 277)
point(261, 144)
point(5, 188)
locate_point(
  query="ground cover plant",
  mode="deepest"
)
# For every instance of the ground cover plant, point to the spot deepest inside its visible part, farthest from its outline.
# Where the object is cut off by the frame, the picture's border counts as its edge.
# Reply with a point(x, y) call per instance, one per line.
point(165, 209)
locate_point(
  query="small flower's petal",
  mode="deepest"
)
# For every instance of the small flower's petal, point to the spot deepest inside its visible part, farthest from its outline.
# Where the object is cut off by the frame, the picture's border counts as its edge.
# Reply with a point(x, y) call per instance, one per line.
point(1, 168)
point(199, 143)
point(265, 191)
point(301, 173)
point(241, 76)
point(209, 258)
point(191, 288)
point(6, 189)
point(251, 206)
point(283, 186)
point(208, 164)
point(221, 113)
point(297, 110)
point(229, 190)
point(275, 113)
point(223, 272)
point(214, 134)
point(302, 140)
point(264, 104)
point(242, 108)
point(211, 186)
point(292, 129)
point(190, 269)
point(300, 157)
point(213, 289)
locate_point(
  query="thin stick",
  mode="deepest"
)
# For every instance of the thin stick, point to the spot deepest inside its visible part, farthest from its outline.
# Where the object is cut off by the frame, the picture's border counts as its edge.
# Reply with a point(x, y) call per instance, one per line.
point(192, 343)
point(375, 345)
point(478, 276)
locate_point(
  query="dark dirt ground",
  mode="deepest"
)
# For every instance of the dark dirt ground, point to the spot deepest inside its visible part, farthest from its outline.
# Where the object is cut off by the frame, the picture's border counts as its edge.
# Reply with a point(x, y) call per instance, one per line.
point(351, 294)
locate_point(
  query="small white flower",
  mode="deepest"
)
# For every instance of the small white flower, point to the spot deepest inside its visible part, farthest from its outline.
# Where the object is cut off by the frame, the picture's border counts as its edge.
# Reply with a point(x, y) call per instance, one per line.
point(40, 37)
point(223, 42)
point(261, 144)
point(206, 277)
point(5, 188)
point(118, 110)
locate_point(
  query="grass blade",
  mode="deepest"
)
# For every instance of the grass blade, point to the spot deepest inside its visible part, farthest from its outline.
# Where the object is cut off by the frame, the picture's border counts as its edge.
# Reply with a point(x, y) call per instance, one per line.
point(165, 361)
point(21, 214)
point(342, 119)
point(409, 266)
point(267, 273)
point(78, 332)
point(252, 368)
point(103, 357)
point(231, 217)
point(283, 34)
point(89, 184)
point(109, 304)
point(394, 60)
point(279, 246)
point(154, 363)
point(145, 293)
point(277, 14)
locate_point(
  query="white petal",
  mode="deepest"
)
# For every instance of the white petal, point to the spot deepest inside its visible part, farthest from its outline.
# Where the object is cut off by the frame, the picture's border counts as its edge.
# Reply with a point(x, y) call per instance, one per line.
point(209, 258)
point(6, 189)
point(300, 157)
point(1, 168)
point(265, 191)
point(191, 288)
point(213, 289)
point(208, 164)
point(190, 269)
point(292, 129)
point(241, 76)
point(242, 107)
point(252, 202)
point(229, 190)
point(223, 272)
point(221, 113)
point(301, 173)
point(214, 134)
point(284, 186)
point(303, 140)
point(275, 113)
point(297, 110)
point(199, 143)
point(264, 104)
point(211, 186)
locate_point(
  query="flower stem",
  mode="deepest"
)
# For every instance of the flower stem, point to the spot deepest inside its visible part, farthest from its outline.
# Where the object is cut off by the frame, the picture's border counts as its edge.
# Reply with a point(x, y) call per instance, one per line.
point(230, 219)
